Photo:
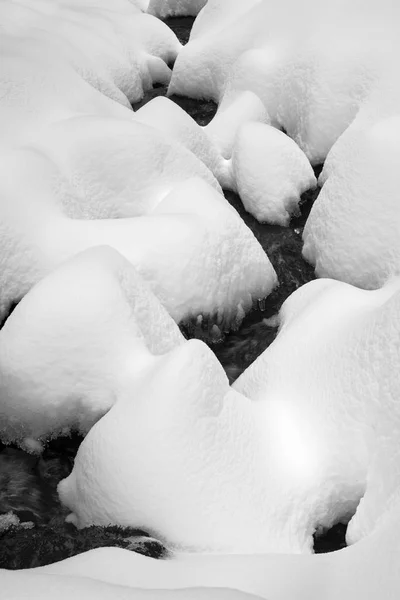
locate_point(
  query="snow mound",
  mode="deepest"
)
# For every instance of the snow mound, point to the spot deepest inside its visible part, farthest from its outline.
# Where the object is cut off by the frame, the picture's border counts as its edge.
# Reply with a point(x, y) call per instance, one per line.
point(321, 400)
point(230, 115)
point(218, 266)
point(167, 116)
point(117, 49)
point(352, 230)
point(190, 444)
point(39, 586)
point(175, 8)
point(271, 172)
point(117, 168)
point(286, 53)
point(77, 343)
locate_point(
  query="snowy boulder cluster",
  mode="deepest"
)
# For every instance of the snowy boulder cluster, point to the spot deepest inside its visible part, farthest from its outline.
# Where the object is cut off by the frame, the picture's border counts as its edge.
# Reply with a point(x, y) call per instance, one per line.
point(114, 229)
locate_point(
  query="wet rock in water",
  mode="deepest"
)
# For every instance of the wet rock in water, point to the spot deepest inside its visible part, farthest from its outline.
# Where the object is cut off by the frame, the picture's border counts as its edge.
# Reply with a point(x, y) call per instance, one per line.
point(181, 26)
point(331, 540)
point(21, 548)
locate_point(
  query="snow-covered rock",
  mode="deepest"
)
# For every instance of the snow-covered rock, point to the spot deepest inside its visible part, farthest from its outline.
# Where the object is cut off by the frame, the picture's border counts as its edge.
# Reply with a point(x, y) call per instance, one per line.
point(271, 172)
point(180, 461)
point(77, 343)
point(166, 116)
point(286, 53)
point(117, 168)
point(352, 233)
point(231, 114)
point(194, 262)
point(325, 391)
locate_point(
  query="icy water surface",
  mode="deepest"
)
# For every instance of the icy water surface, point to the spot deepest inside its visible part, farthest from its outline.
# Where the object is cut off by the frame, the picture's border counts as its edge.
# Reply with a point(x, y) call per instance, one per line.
point(28, 484)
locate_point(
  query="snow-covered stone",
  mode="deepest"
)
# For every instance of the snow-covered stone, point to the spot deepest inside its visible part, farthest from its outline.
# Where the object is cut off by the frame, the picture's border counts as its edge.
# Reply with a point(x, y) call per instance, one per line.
point(77, 343)
point(231, 114)
point(117, 168)
point(194, 263)
point(326, 391)
point(167, 116)
point(286, 54)
point(187, 469)
point(352, 233)
point(271, 172)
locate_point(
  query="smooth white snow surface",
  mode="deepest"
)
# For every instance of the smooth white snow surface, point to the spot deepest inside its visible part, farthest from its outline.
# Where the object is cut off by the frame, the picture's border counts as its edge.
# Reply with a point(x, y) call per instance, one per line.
point(271, 172)
point(299, 443)
point(190, 468)
point(77, 343)
point(28, 585)
point(367, 570)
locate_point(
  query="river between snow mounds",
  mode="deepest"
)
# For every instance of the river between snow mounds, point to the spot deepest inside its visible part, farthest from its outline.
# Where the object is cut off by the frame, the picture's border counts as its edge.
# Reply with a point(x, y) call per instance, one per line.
point(30, 490)
point(283, 246)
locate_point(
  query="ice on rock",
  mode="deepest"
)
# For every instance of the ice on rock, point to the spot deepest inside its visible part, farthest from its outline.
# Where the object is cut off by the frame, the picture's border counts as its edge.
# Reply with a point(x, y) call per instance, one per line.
point(319, 393)
point(231, 114)
point(189, 468)
point(206, 253)
point(167, 116)
point(352, 230)
point(77, 343)
point(271, 172)
point(39, 586)
point(175, 8)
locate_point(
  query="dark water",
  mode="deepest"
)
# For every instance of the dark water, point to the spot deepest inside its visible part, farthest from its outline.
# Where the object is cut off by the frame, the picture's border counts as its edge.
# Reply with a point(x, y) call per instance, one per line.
point(28, 484)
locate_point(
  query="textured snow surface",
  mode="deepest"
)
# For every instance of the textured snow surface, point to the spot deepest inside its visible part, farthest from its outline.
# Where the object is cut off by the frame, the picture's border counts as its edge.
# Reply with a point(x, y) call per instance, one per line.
point(77, 343)
point(196, 261)
point(327, 394)
point(271, 172)
point(286, 53)
point(190, 468)
point(301, 440)
point(352, 233)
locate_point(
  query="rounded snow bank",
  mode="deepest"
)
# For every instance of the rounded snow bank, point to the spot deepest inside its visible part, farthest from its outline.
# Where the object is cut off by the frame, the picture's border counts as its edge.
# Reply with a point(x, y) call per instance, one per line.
point(46, 587)
point(367, 570)
point(322, 404)
point(182, 462)
point(219, 268)
point(309, 85)
point(77, 343)
point(271, 172)
point(352, 233)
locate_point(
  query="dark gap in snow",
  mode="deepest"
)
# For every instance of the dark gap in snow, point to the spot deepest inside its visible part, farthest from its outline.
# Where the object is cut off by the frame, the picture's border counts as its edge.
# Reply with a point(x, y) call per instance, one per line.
point(331, 539)
point(181, 26)
point(8, 312)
